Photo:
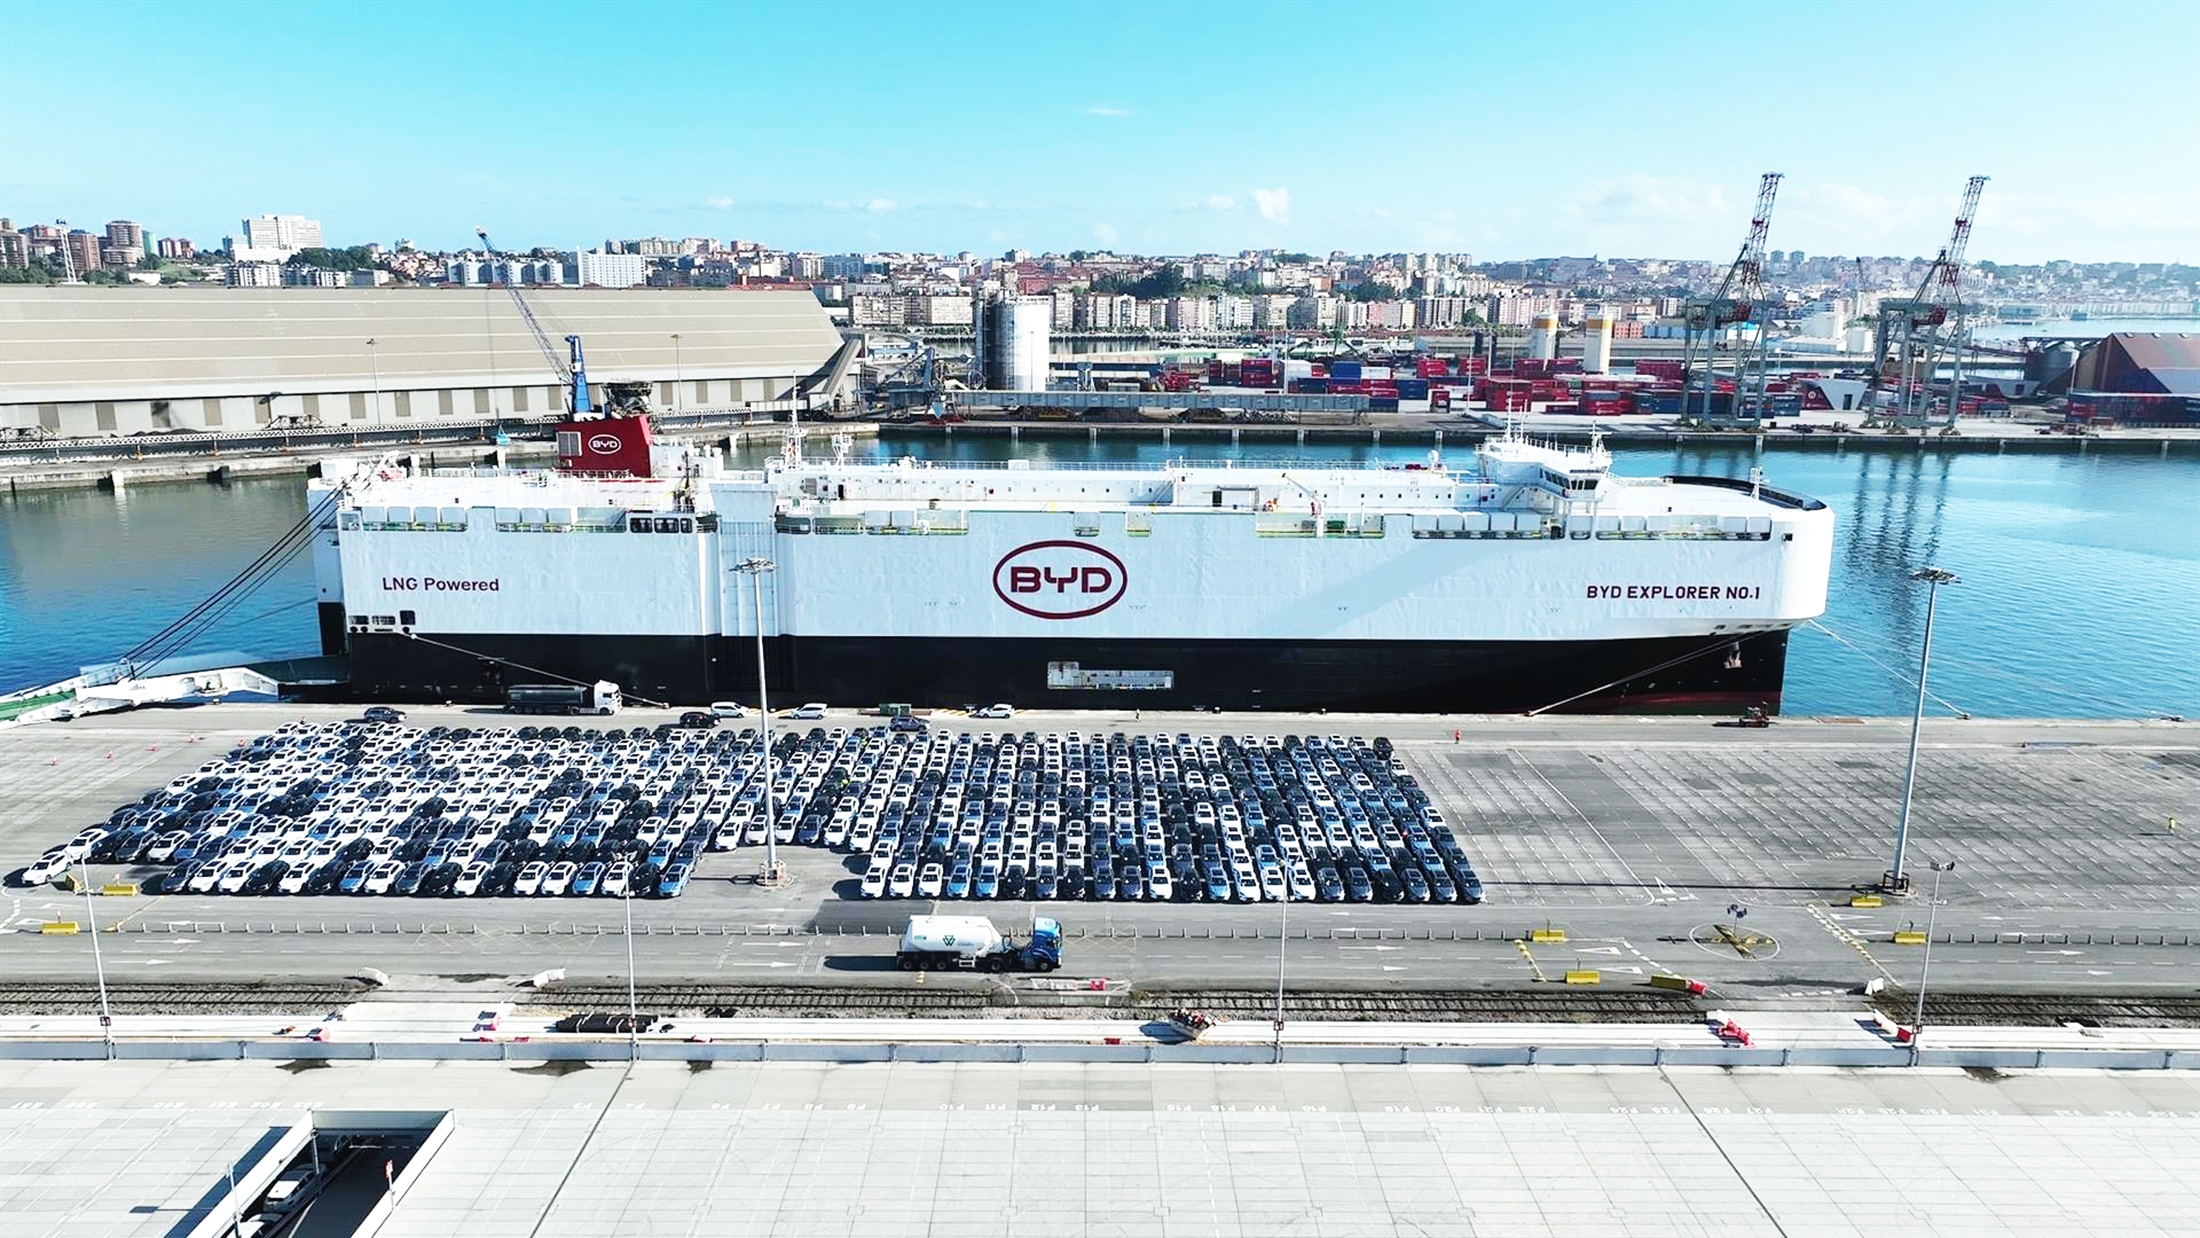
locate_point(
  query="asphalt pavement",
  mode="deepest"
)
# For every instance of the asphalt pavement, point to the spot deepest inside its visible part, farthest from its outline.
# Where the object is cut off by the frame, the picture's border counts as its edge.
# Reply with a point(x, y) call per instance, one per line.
point(1658, 846)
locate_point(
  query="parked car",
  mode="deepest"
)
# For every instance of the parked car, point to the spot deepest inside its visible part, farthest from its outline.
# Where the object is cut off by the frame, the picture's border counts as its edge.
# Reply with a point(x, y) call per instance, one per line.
point(728, 709)
point(807, 713)
point(994, 711)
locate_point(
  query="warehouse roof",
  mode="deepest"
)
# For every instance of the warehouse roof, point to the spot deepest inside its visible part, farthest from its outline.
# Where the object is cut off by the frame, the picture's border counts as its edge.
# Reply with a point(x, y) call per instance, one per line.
point(2142, 363)
point(101, 343)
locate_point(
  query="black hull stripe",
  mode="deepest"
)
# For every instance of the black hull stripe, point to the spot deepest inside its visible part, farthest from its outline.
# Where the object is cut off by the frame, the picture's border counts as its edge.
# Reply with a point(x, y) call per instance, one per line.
point(1371, 676)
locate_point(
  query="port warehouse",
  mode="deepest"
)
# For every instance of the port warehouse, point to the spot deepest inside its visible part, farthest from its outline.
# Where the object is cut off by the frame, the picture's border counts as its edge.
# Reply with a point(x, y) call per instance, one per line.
point(2138, 378)
point(79, 362)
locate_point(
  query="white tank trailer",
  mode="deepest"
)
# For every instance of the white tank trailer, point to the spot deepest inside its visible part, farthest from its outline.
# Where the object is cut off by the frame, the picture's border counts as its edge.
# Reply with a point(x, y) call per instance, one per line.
point(972, 941)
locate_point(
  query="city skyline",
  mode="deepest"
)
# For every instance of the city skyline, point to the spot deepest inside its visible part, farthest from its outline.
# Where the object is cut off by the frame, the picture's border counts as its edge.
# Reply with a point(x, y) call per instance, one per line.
point(1220, 129)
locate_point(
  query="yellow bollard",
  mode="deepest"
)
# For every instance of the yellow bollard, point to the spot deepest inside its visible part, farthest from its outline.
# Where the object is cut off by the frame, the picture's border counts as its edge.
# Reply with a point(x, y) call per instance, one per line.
point(58, 928)
point(1909, 937)
point(1547, 935)
point(1867, 900)
point(1584, 977)
point(119, 889)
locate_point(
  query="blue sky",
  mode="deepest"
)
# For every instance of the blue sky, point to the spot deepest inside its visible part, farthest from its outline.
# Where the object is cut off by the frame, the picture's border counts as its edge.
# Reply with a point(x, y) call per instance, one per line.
point(1503, 130)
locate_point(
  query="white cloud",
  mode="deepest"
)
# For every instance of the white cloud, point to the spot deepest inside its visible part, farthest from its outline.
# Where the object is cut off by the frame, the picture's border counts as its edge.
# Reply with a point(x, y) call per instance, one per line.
point(834, 204)
point(1098, 109)
point(880, 206)
point(1104, 233)
point(1274, 204)
point(1219, 202)
point(718, 202)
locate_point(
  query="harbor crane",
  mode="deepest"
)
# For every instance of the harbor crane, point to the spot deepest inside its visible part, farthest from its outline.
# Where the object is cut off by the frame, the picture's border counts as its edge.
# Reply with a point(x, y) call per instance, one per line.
point(572, 374)
point(1736, 301)
point(1911, 339)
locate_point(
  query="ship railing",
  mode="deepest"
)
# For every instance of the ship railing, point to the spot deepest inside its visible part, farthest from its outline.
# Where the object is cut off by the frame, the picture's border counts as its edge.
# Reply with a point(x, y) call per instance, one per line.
point(928, 522)
point(1295, 464)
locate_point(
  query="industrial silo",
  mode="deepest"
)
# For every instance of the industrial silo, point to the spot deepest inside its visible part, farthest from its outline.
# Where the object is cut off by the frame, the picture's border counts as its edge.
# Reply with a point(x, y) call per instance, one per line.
point(1543, 339)
point(1018, 342)
point(1596, 353)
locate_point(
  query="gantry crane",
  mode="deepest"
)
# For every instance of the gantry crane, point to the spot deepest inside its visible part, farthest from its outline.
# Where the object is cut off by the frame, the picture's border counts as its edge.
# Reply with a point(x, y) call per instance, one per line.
point(1911, 339)
point(1736, 301)
point(573, 374)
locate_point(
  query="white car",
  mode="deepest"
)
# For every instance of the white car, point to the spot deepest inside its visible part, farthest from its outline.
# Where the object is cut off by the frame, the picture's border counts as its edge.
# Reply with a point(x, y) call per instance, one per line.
point(807, 713)
point(931, 880)
point(294, 880)
point(617, 878)
point(47, 868)
point(995, 711)
point(383, 877)
point(203, 877)
point(904, 881)
point(530, 878)
point(233, 878)
point(874, 879)
point(469, 881)
point(560, 877)
point(728, 709)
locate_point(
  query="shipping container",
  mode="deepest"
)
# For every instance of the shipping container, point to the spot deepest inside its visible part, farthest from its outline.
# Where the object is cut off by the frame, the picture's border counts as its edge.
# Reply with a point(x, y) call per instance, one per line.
point(1413, 389)
point(1383, 404)
point(1344, 369)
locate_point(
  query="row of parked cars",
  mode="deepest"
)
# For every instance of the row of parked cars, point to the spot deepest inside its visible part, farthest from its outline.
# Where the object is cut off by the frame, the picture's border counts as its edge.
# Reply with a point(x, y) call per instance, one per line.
point(379, 808)
point(1130, 817)
point(385, 809)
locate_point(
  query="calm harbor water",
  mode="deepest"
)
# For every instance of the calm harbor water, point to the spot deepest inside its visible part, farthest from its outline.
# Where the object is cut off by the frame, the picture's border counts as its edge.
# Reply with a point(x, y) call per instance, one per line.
point(2080, 593)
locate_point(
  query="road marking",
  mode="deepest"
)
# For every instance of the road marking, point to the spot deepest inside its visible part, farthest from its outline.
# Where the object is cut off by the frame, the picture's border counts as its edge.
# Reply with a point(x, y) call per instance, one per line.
point(1842, 933)
point(1570, 807)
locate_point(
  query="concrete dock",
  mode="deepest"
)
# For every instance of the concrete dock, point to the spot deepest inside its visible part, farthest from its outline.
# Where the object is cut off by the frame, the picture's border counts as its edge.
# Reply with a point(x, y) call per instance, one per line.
point(884, 1150)
point(1631, 843)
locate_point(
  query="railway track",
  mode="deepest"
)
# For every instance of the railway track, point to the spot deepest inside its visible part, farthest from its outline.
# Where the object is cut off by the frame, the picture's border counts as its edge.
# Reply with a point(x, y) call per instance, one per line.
point(50, 998)
point(955, 1000)
point(2044, 1009)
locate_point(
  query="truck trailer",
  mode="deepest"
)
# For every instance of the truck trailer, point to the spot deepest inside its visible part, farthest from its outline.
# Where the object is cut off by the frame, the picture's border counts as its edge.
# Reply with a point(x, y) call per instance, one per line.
point(972, 941)
point(601, 697)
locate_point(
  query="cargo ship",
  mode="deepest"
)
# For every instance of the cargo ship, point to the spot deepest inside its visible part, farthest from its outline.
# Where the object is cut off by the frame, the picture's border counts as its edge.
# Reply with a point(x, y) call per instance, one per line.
point(1531, 578)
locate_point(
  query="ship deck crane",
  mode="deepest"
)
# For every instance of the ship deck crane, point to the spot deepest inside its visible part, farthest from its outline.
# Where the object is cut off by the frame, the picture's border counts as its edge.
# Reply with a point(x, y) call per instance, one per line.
point(1912, 338)
point(1735, 302)
point(573, 374)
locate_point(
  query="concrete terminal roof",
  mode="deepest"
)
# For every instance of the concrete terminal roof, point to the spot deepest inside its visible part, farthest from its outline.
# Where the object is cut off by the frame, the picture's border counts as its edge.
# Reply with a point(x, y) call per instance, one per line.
point(810, 1150)
point(96, 343)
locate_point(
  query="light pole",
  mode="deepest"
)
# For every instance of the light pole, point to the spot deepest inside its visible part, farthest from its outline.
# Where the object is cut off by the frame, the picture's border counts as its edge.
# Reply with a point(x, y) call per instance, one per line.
point(677, 378)
point(374, 359)
point(1283, 938)
point(1895, 881)
point(755, 568)
point(1932, 913)
point(99, 966)
point(633, 1008)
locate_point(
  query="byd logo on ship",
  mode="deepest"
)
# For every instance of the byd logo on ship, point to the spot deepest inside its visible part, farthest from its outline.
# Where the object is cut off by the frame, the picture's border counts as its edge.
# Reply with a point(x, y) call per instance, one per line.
point(605, 444)
point(1060, 580)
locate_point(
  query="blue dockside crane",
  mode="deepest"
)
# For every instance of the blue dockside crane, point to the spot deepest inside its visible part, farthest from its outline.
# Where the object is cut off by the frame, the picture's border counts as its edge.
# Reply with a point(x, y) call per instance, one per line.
point(572, 374)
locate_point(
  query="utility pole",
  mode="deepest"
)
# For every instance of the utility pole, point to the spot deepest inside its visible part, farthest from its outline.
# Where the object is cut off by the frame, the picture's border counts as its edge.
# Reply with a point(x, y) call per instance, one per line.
point(677, 379)
point(1925, 970)
point(374, 358)
point(1895, 882)
point(99, 966)
point(633, 1007)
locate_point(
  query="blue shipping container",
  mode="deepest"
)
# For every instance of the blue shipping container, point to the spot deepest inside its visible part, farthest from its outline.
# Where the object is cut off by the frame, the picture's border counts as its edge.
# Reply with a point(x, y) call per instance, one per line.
point(1413, 389)
point(1344, 369)
point(1382, 404)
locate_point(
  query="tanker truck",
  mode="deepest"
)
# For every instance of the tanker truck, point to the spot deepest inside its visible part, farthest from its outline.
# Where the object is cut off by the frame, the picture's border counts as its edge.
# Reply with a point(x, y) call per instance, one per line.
point(972, 941)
